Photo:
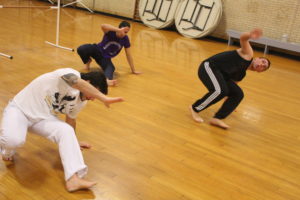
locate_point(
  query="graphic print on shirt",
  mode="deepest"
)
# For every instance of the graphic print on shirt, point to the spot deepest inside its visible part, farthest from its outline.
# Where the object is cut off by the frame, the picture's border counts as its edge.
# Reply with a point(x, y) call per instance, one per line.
point(59, 103)
point(112, 48)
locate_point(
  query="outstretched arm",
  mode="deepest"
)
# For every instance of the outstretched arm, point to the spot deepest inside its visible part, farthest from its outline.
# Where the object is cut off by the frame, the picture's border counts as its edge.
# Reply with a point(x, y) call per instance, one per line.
point(89, 90)
point(130, 61)
point(246, 49)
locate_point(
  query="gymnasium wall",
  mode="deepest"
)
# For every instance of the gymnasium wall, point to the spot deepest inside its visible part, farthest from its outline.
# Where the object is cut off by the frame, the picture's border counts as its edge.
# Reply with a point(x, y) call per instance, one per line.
point(124, 8)
point(275, 17)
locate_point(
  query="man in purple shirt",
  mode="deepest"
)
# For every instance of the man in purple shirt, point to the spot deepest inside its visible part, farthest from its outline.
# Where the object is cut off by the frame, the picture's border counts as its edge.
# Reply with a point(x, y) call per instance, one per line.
point(113, 41)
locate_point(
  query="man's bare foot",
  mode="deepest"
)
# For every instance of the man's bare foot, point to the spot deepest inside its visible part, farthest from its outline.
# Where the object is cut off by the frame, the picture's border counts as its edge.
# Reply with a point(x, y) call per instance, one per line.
point(111, 82)
point(7, 155)
point(84, 145)
point(195, 115)
point(218, 123)
point(75, 183)
point(7, 158)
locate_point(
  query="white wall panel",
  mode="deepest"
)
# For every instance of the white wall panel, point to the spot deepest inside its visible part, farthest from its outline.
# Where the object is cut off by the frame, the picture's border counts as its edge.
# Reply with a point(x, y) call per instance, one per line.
point(125, 8)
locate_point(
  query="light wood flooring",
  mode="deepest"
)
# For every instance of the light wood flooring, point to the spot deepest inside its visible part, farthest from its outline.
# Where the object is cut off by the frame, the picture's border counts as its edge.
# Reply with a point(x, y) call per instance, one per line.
point(148, 147)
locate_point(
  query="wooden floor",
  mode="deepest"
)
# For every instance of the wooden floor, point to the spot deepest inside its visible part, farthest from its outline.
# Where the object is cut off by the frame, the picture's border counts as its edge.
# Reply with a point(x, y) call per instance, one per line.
point(149, 148)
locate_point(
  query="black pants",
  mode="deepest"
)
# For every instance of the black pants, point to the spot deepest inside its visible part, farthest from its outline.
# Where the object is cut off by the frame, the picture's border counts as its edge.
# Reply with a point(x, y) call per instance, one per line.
point(218, 88)
point(88, 51)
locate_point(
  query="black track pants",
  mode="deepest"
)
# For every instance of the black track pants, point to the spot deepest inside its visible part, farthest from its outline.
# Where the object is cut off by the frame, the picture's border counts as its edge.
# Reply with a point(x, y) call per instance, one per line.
point(88, 51)
point(218, 88)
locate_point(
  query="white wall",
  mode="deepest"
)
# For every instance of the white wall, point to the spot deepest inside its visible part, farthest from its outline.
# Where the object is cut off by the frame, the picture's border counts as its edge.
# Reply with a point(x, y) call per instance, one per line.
point(125, 8)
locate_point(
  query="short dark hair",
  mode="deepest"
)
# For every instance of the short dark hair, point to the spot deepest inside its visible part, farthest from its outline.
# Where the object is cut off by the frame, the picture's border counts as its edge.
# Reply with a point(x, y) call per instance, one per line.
point(124, 24)
point(97, 79)
point(269, 62)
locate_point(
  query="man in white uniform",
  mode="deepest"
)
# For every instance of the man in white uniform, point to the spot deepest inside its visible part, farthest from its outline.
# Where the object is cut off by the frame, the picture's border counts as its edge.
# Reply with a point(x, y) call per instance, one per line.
point(35, 107)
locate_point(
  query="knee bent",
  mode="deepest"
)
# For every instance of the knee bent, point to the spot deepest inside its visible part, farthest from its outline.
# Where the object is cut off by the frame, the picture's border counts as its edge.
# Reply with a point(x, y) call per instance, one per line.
point(222, 93)
point(12, 142)
point(63, 132)
point(240, 95)
point(79, 50)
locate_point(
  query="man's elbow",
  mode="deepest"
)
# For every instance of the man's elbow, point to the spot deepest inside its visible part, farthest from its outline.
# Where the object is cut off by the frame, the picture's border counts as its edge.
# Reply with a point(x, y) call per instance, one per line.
point(244, 36)
point(103, 27)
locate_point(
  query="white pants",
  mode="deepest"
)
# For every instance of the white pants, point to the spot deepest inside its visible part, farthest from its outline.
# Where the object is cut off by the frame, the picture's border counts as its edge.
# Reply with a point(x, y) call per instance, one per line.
point(13, 133)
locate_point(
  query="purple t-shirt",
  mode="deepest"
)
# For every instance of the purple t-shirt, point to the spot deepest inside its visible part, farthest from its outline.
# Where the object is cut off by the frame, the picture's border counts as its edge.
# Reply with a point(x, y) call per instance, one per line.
point(111, 45)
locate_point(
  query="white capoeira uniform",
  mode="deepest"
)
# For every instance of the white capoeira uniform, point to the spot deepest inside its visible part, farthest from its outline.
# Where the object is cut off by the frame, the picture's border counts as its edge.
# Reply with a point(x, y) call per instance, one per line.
point(35, 108)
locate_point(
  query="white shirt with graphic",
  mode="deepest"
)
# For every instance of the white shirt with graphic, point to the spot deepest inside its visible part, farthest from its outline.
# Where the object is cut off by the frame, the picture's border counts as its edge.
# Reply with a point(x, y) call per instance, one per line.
point(48, 95)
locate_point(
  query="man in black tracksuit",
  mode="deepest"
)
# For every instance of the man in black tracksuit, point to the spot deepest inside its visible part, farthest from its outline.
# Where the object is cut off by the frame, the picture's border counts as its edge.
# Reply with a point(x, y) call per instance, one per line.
point(220, 73)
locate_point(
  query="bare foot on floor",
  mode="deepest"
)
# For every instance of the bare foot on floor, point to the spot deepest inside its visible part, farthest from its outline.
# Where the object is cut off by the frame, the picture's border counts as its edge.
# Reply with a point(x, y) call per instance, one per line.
point(195, 115)
point(84, 145)
point(5, 158)
point(111, 82)
point(7, 155)
point(75, 183)
point(218, 123)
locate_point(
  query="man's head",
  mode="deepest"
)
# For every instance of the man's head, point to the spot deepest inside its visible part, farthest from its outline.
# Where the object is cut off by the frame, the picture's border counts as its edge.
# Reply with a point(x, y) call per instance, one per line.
point(125, 26)
point(260, 64)
point(97, 79)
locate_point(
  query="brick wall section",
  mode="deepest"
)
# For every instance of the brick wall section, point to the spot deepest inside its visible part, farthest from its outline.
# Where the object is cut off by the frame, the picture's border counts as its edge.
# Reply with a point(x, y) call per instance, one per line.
point(275, 17)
